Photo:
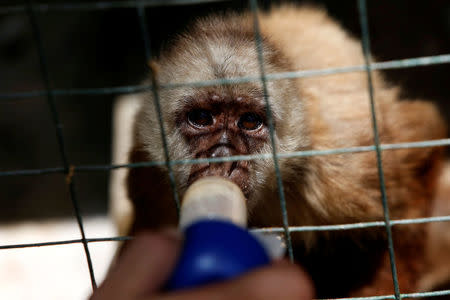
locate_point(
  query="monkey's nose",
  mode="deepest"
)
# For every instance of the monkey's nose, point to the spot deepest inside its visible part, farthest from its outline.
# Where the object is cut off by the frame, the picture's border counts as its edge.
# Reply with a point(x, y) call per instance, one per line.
point(224, 168)
point(221, 151)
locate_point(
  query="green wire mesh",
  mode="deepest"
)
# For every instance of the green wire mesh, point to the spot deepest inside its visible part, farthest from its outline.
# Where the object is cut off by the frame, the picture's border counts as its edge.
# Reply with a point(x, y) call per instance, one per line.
point(32, 10)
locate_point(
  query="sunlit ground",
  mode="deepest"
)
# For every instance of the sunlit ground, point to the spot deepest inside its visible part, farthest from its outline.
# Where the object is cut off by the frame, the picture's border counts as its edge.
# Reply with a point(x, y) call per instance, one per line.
point(53, 272)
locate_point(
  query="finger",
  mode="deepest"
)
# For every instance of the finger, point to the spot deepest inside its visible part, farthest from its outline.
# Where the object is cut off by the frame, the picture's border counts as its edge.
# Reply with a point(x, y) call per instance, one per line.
point(144, 267)
point(281, 281)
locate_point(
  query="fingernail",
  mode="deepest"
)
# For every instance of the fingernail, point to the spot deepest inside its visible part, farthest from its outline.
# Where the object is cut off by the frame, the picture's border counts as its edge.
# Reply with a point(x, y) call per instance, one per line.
point(172, 233)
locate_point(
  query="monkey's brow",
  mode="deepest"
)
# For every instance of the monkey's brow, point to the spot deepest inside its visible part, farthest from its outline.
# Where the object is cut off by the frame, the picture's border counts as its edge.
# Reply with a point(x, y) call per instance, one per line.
point(251, 101)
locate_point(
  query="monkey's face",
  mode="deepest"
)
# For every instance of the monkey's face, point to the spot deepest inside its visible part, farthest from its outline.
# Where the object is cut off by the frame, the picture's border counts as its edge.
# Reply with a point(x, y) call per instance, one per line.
point(216, 126)
point(221, 120)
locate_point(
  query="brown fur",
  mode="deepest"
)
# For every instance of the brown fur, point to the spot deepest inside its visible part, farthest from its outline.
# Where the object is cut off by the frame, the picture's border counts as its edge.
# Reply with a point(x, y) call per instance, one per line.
point(323, 112)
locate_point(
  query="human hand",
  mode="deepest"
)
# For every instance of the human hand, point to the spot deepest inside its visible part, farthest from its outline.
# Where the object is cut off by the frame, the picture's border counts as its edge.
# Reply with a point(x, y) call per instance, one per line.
point(149, 259)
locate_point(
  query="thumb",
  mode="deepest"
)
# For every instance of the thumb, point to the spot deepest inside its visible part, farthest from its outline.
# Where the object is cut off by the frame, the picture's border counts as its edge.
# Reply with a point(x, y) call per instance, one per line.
point(144, 266)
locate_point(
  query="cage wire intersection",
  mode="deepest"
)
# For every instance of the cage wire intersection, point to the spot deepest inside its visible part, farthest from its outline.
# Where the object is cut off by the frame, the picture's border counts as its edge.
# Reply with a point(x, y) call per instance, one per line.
point(32, 10)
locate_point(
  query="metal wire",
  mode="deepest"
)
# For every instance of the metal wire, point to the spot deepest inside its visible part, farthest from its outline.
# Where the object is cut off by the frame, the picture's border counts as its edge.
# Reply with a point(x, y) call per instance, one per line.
point(360, 225)
point(386, 65)
point(351, 226)
point(156, 100)
point(411, 295)
point(59, 133)
point(305, 153)
point(31, 9)
point(66, 242)
point(366, 50)
point(100, 5)
point(284, 214)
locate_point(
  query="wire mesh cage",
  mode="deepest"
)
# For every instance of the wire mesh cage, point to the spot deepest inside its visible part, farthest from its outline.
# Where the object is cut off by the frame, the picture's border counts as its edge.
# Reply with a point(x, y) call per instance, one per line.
point(140, 8)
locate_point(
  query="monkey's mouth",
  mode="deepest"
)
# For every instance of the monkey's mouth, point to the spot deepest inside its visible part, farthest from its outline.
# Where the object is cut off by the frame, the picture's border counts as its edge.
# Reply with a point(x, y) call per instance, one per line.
point(236, 171)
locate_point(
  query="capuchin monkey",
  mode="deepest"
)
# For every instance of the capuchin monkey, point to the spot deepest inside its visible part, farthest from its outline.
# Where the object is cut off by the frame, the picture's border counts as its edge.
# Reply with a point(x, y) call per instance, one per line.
point(310, 113)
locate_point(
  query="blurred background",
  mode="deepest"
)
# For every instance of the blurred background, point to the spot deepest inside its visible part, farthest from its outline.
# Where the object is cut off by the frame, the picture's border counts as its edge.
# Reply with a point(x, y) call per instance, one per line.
point(104, 48)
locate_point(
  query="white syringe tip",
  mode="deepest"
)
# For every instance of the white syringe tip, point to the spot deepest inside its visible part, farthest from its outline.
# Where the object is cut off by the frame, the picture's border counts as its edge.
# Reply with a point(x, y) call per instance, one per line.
point(213, 198)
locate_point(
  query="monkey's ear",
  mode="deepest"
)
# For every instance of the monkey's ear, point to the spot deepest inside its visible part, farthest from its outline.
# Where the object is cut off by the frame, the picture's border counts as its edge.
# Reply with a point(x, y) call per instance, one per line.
point(151, 195)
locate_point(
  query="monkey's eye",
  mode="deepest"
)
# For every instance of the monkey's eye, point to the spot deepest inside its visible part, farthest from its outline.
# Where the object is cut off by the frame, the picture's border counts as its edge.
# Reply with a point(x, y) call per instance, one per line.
point(250, 121)
point(200, 117)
